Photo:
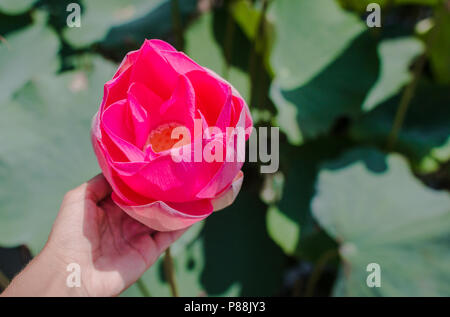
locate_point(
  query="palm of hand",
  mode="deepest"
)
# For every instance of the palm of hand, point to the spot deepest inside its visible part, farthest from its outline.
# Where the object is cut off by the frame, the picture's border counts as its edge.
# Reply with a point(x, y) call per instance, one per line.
point(112, 249)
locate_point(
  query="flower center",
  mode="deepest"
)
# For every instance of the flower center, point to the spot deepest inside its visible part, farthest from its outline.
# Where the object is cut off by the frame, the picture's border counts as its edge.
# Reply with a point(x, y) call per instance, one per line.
point(160, 139)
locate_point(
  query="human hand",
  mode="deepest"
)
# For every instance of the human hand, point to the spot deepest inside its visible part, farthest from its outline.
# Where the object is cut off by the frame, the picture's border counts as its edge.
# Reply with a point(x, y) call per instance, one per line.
point(112, 249)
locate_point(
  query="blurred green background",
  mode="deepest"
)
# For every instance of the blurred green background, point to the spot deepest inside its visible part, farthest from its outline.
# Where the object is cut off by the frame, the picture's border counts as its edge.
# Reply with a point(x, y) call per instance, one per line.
point(365, 144)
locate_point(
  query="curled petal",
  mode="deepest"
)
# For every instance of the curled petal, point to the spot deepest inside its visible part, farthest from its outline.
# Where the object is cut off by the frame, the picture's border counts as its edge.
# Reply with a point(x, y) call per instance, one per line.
point(116, 89)
point(127, 62)
point(112, 122)
point(237, 101)
point(105, 163)
point(153, 70)
point(161, 216)
point(181, 62)
point(213, 98)
point(142, 102)
point(228, 169)
point(180, 107)
point(164, 179)
point(161, 45)
point(229, 195)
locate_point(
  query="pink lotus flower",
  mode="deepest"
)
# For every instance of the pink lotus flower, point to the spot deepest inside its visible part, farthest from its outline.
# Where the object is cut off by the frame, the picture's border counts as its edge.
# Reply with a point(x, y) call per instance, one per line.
point(155, 90)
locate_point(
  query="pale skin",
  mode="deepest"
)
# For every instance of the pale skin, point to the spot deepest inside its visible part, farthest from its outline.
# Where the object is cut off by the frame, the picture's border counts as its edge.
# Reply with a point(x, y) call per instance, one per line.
point(112, 249)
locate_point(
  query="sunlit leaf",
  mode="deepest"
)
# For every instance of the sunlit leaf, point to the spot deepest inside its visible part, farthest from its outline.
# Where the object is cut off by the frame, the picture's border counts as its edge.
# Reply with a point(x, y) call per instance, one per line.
point(310, 35)
point(45, 149)
point(291, 222)
point(100, 16)
point(157, 23)
point(198, 37)
point(25, 54)
point(283, 230)
point(380, 213)
point(15, 6)
point(339, 90)
point(395, 56)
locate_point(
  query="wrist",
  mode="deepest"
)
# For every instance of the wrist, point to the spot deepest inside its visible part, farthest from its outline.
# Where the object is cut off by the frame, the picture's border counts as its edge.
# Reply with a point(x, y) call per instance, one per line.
point(45, 275)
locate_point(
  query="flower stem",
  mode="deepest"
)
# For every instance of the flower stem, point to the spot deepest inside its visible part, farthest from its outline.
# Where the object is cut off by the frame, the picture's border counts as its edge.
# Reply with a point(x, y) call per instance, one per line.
point(409, 91)
point(177, 24)
point(407, 96)
point(169, 272)
point(318, 269)
point(257, 47)
point(228, 44)
point(4, 281)
point(143, 288)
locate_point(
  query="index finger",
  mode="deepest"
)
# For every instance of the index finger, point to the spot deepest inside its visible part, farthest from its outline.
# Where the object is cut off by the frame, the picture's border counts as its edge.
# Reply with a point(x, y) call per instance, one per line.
point(97, 188)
